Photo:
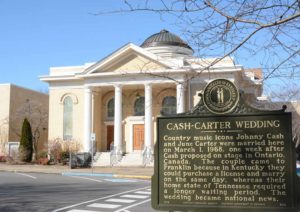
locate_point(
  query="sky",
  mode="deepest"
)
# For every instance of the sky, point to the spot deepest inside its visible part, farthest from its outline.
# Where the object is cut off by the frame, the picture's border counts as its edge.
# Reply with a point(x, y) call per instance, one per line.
point(36, 35)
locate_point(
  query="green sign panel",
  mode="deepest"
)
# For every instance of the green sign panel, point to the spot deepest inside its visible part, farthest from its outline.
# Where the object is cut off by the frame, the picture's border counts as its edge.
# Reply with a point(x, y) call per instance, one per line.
point(237, 162)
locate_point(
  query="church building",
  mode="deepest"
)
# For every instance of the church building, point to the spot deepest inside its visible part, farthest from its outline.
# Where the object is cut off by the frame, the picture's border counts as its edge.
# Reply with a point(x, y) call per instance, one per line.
point(118, 98)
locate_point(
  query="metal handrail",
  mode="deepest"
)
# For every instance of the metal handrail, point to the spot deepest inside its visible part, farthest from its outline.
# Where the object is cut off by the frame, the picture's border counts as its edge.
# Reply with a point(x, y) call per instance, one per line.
point(147, 155)
point(115, 154)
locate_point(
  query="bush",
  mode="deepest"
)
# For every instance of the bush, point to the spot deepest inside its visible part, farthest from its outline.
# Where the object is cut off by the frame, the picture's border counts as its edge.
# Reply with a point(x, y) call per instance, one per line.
point(2, 158)
point(59, 150)
point(55, 150)
point(26, 142)
point(42, 158)
point(64, 156)
point(43, 161)
point(42, 155)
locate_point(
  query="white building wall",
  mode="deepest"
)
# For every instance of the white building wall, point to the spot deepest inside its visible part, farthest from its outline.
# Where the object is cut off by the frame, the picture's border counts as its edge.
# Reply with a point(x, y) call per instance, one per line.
point(56, 112)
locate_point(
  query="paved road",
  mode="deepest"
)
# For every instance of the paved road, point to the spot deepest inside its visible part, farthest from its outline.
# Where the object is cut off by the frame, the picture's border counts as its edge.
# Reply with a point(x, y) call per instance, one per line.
point(53, 192)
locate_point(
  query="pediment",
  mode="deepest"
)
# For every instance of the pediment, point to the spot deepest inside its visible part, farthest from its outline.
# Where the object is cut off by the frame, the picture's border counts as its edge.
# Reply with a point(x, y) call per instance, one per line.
point(130, 58)
point(133, 62)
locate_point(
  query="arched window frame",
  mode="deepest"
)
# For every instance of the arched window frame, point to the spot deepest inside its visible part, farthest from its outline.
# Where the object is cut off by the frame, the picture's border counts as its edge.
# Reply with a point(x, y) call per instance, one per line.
point(169, 105)
point(139, 106)
point(110, 108)
point(73, 97)
point(68, 104)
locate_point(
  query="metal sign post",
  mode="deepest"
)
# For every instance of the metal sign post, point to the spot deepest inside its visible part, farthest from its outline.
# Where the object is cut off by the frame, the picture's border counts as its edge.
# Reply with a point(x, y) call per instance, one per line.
point(93, 138)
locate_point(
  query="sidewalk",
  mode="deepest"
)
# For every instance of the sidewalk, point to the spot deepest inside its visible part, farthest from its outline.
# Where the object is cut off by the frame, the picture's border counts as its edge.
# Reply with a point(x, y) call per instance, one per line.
point(121, 172)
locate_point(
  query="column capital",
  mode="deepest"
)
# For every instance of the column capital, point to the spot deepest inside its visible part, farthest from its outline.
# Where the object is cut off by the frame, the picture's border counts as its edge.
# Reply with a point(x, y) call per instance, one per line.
point(118, 86)
point(97, 90)
point(96, 93)
point(87, 86)
point(87, 89)
point(148, 84)
point(182, 83)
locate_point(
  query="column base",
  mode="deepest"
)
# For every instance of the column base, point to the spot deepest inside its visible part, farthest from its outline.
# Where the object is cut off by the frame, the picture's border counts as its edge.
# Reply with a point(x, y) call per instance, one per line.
point(116, 155)
point(148, 155)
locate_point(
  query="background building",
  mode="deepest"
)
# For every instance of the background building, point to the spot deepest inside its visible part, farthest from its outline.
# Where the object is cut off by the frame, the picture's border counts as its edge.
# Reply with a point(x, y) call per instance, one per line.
point(16, 104)
point(294, 108)
point(119, 97)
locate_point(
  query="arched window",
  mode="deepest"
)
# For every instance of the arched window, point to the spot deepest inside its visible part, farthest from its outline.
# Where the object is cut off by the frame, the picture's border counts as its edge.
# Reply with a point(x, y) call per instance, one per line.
point(68, 118)
point(139, 106)
point(169, 105)
point(111, 108)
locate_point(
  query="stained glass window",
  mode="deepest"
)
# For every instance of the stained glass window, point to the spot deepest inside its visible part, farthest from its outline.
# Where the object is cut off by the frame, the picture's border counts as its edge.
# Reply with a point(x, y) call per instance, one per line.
point(169, 105)
point(111, 108)
point(139, 106)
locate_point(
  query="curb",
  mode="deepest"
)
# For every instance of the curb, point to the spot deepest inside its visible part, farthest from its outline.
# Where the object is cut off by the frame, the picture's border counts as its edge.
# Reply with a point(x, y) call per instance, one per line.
point(133, 176)
point(106, 175)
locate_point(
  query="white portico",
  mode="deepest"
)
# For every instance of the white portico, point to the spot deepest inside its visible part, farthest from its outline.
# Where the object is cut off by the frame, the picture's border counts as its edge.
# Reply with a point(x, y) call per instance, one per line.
point(126, 95)
point(119, 97)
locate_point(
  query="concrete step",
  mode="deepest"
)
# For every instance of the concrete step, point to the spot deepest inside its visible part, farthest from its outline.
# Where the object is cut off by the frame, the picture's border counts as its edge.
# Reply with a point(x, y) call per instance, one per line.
point(103, 159)
point(131, 159)
point(151, 164)
point(96, 156)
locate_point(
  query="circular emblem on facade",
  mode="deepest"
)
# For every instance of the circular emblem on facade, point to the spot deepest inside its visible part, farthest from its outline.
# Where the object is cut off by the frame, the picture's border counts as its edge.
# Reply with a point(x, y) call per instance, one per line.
point(220, 96)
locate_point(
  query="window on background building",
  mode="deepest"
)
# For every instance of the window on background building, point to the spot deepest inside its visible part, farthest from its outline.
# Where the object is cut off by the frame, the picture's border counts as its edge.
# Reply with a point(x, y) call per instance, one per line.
point(139, 106)
point(68, 118)
point(111, 108)
point(169, 105)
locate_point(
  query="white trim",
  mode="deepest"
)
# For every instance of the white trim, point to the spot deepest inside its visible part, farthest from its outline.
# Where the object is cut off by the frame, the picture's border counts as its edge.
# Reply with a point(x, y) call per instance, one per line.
point(114, 76)
point(163, 71)
point(73, 97)
point(56, 78)
point(109, 122)
point(171, 51)
point(105, 83)
point(65, 87)
point(128, 80)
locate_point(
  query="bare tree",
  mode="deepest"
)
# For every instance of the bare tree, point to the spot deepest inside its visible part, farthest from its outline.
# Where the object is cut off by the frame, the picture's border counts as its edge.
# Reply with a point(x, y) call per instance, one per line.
point(3, 136)
point(265, 31)
point(37, 116)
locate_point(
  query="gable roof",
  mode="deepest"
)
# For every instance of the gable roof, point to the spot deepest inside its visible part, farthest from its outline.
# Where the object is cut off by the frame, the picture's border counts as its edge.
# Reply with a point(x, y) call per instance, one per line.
point(123, 52)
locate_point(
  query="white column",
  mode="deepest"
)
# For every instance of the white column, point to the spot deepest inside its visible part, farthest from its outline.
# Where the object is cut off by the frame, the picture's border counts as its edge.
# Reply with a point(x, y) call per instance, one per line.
point(148, 117)
point(118, 119)
point(180, 97)
point(87, 119)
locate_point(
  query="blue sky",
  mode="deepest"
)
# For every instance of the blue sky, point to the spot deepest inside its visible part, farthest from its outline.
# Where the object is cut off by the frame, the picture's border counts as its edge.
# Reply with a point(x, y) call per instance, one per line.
point(36, 35)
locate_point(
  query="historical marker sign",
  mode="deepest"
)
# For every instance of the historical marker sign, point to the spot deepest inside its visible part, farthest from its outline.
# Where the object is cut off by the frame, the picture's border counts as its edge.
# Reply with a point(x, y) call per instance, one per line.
point(235, 162)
